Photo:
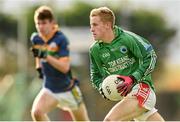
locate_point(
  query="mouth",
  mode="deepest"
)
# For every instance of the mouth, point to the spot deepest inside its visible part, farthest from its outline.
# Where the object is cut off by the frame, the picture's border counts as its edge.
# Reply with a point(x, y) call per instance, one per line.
point(94, 34)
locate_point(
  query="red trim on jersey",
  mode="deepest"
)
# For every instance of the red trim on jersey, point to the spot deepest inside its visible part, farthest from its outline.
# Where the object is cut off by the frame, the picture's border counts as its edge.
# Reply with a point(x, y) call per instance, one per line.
point(143, 93)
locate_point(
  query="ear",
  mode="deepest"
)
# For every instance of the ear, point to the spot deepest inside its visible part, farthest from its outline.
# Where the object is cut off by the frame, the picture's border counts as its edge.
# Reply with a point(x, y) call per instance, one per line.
point(108, 25)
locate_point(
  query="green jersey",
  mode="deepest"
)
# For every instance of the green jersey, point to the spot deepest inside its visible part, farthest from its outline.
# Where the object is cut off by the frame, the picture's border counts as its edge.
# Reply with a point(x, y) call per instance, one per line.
point(127, 54)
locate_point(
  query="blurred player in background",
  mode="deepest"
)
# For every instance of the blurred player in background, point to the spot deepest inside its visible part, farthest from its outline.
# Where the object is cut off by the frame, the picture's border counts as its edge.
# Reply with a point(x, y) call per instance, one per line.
point(50, 49)
point(132, 57)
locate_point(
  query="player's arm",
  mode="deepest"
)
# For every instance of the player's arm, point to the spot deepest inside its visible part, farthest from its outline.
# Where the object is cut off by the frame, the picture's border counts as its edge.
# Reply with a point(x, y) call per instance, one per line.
point(37, 63)
point(95, 76)
point(62, 64)
point(147, 60)
point(146, 55)
point(38, 68)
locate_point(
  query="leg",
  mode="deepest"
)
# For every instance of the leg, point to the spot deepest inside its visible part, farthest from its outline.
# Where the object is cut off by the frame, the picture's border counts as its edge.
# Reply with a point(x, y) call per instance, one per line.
point(125, 110)
point(43, 103)
point(155, 117)
point(80, 114)
point(73, 102)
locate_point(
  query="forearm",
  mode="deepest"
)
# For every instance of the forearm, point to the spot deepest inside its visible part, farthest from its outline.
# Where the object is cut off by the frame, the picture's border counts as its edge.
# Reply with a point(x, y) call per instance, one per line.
point(96, 79)
point(146, 67)
point(61, 65)
point(37, 63)
point(95, 71)
point(96, 83)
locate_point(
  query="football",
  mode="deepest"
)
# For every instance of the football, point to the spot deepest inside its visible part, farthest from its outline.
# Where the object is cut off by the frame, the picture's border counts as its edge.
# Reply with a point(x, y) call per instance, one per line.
point(109, 85)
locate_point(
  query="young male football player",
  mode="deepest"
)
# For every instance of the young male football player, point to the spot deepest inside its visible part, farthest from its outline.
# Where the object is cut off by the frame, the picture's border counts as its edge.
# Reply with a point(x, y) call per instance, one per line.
point(50, 49)
point(132, 57)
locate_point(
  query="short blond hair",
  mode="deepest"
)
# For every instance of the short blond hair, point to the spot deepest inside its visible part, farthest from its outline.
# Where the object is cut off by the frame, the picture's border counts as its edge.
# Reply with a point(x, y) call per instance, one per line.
point(43, 12)
point(104, 13)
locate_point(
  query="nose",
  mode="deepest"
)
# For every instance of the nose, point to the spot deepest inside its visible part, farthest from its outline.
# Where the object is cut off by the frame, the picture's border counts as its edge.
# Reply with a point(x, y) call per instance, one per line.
point(40, 26)
point(91, 29)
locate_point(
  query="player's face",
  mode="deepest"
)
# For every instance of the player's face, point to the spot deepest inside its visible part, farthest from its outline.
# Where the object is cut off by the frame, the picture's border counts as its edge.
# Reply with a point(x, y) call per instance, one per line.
point(98, 28)
point(44, 26)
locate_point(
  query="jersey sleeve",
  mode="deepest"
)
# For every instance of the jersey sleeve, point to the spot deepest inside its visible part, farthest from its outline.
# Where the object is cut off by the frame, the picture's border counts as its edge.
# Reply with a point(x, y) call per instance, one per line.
point(64, 46)
point(95, 75)
point(33, 38)
point(144, 51)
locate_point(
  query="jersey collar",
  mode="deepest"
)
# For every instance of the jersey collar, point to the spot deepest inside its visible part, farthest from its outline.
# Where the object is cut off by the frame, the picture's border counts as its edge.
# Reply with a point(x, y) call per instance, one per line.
point(117, 32)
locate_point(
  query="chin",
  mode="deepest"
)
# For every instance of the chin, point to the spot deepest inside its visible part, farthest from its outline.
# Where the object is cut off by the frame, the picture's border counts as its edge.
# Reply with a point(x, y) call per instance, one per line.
point(42, 32)
point(95, 38)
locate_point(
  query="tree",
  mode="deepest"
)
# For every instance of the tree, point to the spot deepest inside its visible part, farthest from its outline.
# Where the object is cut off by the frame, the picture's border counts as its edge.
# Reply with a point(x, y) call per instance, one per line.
point(152, 26)
point(8, 26)
point(78, 15)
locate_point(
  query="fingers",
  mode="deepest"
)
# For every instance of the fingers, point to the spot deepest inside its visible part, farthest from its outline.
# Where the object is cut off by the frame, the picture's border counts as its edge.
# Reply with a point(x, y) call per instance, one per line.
point(35, 52)
point(120, 87)
point(128, 90)
point(123, 89)
point(121, 77)
point(39, 70)
point(124, 93)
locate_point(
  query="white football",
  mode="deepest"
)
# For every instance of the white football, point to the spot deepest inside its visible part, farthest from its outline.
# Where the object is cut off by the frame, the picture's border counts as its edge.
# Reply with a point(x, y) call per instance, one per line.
point(109, 85)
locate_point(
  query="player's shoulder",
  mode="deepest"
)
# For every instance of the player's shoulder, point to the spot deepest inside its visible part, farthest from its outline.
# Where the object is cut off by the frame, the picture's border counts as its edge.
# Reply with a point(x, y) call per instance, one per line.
point(60, 36)
point(34, 35)
point(127, 34)
point(132, 35)
point(122, 33)
point(95, 46)
point(129, 37)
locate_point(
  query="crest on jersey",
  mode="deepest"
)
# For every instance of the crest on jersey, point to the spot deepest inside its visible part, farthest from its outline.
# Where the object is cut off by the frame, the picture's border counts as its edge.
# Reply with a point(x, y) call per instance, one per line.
point(123, 49)
point(53, 45)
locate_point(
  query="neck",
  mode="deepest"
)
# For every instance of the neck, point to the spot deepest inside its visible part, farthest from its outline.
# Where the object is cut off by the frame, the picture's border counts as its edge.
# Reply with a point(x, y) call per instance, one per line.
point(50, 34)
point(108, 37)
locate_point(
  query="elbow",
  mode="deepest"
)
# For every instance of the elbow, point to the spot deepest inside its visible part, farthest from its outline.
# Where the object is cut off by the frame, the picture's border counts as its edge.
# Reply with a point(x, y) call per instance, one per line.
point(66, 69)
